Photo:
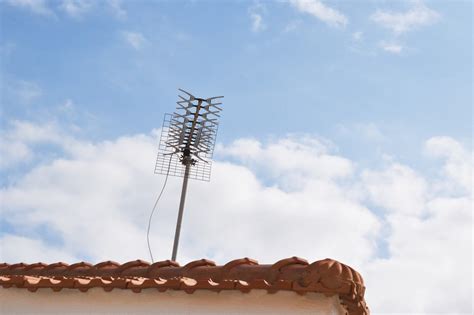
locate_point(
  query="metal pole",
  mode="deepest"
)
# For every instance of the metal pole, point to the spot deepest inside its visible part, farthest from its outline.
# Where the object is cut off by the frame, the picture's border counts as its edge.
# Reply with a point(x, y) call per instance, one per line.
point(187, 162)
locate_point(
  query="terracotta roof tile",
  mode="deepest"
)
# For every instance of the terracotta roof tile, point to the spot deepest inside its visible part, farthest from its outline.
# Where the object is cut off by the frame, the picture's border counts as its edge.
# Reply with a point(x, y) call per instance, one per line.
point(326, 276)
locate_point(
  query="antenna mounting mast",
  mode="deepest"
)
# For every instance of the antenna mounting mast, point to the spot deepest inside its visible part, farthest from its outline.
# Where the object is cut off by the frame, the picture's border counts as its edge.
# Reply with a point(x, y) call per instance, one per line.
point(187, 144)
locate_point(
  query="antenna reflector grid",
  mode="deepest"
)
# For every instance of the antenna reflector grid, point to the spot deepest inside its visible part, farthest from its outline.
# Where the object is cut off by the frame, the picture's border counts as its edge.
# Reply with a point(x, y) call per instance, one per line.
point(193, 128)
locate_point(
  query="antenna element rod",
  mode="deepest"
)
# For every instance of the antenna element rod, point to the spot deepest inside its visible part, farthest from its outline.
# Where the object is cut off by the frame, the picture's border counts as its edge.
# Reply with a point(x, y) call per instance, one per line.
point(186, 161)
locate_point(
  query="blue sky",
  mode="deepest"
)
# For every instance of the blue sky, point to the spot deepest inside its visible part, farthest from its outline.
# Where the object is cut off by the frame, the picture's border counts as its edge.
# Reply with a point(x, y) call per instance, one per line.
point(295, 73)
point(356, 111)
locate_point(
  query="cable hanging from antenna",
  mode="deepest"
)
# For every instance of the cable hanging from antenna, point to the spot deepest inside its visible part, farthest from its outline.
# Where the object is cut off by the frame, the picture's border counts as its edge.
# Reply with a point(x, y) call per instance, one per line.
point(151, 216)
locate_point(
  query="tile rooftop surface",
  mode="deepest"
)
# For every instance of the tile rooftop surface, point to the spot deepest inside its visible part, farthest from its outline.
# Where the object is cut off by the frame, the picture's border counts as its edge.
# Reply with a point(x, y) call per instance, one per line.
point(326, 276)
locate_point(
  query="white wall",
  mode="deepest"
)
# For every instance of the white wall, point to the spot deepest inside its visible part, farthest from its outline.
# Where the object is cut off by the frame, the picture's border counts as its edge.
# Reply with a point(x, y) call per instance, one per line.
point(14, 300)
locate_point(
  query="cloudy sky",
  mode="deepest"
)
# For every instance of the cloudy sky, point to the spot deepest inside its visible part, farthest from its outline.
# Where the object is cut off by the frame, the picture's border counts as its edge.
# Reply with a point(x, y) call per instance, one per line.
point(346, 133)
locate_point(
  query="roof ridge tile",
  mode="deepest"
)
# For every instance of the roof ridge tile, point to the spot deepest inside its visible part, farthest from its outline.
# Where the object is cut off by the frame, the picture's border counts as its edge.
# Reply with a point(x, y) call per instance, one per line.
point(288, 262)
point(107, 264)
point(17, 266)
point(56, 266)
point(80, 265)
point(326, 276)
point(38, 265)
point(238, 262)
point(4, 266)
point(199, 263)
point(163, 264)
point(133, 264)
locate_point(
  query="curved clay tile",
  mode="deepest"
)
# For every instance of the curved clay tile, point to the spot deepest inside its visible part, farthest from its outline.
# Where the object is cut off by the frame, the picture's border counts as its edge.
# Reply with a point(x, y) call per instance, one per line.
point(326, 276)
point(17, 266)
point(289, 261)
point(156, 269)
point(38, 265)
point(199, 263)
point(227, 270)
point(164, 263)
point(55, 266)
point(132, 265)
point(276, 270)
point(80, 266)
point(237, 262)
point(107, 265)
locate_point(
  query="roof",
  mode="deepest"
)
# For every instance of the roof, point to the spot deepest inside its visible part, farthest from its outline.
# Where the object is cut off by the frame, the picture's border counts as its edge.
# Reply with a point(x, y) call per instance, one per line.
point(326, 276)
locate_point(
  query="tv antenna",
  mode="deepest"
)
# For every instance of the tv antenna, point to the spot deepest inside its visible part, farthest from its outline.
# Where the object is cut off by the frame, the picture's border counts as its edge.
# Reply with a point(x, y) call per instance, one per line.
point(186, 146)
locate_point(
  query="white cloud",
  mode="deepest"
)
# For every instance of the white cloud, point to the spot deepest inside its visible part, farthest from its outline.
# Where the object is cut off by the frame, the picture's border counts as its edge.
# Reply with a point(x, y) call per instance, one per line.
point(17, 143)
point(321, 11)
point(134, 39)
point(401, 22)
point(397, 189)
point(391, 47)
point(36, 6)
point(13, 152)
point(97, 197)
point(458, 166)
point(114, 180)
point(291, 161)
point(427, 256)
point(73, 8)
point(257, 22)
point(23, 249)
point(430, 236)
point(76, 8)
point(256, 17)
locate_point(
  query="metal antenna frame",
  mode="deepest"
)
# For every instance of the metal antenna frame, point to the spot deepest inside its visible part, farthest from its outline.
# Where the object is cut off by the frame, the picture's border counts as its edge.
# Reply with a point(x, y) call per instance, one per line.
point(187, 145)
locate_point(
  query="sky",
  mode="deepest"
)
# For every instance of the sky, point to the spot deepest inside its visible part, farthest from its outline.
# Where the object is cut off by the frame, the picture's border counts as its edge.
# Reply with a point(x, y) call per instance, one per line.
point(346, 132)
